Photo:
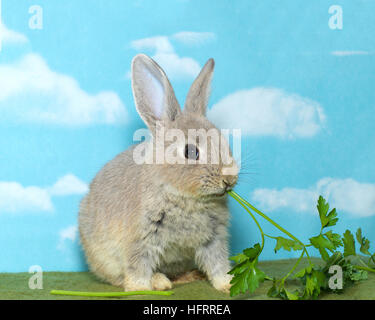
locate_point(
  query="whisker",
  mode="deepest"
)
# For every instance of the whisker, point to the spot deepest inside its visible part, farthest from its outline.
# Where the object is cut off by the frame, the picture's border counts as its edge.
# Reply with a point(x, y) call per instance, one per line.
point(248, 173)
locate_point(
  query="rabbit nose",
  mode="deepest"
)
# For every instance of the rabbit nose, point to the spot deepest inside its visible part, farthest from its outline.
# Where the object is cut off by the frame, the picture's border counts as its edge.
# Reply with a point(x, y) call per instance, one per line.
point(229, 182)
point(230, 171)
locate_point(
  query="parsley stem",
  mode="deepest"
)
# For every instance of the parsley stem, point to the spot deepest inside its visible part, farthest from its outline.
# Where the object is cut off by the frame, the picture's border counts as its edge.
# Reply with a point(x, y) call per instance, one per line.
point(267, 235)
point(257, 223)
point(110, 294)
point(294, 267)
point(244, 203)
point(239, 198)
point(364, 268)
point(307, 255)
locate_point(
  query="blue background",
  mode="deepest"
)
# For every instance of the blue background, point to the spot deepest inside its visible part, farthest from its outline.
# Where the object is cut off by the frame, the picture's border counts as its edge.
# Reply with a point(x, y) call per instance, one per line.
point(286, 47)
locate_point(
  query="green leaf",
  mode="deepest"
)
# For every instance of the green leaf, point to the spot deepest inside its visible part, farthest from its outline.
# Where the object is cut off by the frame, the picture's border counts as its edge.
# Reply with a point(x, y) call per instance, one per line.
point(246, 274)
point(327, 241)
point(248, 254)
point(287, 244)
point(326, 220)
point(364, 243)
point(323, 244)
point(335, 239)
point(323, 207)
point(252, 252)
point(239, 283)
point(278, 291)
point(314, 282)
point(351, 273)
point(332, 218)
point(256, 276)
point(239, 268)
point(247, 280)
point(239, 258)
point(321, 279)
point(291, 296)
point(311, 285)
point(273, 292)
point(349, 244)
point(304, 271)
point(359, 275)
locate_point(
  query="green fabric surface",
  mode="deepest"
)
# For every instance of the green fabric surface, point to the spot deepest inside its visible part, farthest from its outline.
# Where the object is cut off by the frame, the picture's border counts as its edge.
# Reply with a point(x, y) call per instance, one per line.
point(14, 286)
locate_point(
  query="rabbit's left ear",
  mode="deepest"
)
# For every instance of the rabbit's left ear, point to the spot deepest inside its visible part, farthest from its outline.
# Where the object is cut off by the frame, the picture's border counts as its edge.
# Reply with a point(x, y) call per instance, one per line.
point(153, 94)
point(199, 93)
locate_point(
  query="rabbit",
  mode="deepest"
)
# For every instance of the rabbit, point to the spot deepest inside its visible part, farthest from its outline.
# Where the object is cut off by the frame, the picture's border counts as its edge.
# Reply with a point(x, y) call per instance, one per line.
point(143, 225)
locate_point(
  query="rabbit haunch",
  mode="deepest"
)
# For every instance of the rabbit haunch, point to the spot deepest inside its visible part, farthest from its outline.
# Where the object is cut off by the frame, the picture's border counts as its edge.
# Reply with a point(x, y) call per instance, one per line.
point(144, 224)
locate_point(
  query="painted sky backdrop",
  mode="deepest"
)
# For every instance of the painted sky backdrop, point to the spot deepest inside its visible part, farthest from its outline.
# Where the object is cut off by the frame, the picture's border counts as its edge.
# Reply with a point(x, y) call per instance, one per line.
point(298, 83)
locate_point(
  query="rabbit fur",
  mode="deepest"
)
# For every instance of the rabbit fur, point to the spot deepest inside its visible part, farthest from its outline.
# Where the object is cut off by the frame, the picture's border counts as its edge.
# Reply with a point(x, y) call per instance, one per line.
point(141, 225)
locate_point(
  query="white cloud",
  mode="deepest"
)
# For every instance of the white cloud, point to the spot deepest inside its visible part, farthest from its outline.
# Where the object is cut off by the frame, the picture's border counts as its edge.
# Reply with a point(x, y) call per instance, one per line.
point(193, 38)
point(157, 43)
point(32, 92)
point(346, 195)
point(68, 185)
point(10, 36)
point(350, 53)
point(175, 66)
point(68, 234)
point(16, 198)
point(268, 112)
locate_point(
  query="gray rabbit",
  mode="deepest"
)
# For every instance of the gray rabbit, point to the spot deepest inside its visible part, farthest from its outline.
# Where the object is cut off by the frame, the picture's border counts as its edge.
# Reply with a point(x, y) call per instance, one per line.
point(143, 225)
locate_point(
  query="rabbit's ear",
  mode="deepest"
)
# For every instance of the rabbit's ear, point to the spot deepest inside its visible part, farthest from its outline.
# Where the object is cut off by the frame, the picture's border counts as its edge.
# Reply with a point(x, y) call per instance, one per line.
point(199, 93)
point(153, 94)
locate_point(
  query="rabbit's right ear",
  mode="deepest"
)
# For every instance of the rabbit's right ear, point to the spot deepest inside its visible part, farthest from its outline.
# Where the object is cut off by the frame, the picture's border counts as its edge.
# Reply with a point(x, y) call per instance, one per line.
point(153, 94)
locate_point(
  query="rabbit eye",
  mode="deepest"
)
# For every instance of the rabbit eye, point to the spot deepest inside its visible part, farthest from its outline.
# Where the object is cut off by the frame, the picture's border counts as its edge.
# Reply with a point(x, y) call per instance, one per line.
point(191, 152)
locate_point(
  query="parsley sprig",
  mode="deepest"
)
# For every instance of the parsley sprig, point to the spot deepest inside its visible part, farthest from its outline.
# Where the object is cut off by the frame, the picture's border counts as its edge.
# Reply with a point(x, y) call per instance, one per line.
point(247, 276)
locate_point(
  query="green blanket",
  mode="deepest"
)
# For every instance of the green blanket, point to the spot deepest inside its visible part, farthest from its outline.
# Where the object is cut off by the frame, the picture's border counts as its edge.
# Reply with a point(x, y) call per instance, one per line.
point(14, 286)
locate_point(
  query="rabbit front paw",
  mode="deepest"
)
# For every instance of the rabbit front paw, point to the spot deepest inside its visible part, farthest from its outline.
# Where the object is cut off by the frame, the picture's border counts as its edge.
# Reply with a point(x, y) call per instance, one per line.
point(222, 283)
point(160, 282)
point(137, 285)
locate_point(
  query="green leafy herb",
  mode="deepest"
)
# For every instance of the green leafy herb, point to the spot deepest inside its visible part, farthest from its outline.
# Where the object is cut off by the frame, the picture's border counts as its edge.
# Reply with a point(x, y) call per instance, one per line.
point(364, 243)
point(327, 241)
point(314, 279)
point(349, 244)
point(326, 220)
point(246, 274)
point(287, 244)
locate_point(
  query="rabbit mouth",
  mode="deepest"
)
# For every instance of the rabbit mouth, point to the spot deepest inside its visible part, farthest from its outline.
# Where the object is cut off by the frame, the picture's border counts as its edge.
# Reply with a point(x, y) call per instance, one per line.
point(223, 191)
point(220, 194)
